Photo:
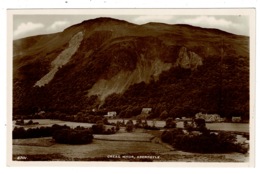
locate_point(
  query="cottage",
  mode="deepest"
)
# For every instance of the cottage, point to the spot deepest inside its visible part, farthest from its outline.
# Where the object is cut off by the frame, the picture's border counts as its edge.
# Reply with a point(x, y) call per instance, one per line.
point(146, 110)
point(110, 114)
point(40, 113)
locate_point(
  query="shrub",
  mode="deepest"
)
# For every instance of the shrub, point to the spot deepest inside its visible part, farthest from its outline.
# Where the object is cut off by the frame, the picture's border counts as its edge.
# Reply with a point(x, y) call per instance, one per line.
point(170, 123)
point(108, 131)
point(19, 132)
point(185, 124)
point(98, 128)
point(204, 143)
point(113, 129)
point(201, 143)
point(117, 126)
point(105, 121)
point(170, 136)
point(147, 127)
point(167, 137)
point(200, 123)
point(138, 123)
point(164, 115)
point(189, 127)
point(72, 136)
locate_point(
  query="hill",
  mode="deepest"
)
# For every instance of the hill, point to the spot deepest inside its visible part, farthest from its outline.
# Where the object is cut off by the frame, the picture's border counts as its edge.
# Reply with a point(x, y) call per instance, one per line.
point(115, 65)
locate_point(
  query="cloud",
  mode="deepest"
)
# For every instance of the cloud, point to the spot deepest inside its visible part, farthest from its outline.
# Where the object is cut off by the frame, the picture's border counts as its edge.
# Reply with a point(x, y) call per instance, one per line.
point(27, 27)
point(158, 18)
point(57, 25)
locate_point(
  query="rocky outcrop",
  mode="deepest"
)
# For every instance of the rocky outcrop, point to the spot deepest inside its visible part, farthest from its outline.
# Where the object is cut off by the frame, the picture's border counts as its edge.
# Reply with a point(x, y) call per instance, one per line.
point(145, 71)
point(188, 59)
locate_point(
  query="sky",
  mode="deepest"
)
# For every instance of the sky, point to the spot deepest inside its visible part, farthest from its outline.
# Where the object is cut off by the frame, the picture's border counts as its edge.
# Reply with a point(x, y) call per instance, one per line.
point(29, 25)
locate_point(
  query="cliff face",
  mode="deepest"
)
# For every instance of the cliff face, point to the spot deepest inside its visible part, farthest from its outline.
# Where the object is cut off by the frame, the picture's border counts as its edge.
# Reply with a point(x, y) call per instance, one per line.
point(109, 63)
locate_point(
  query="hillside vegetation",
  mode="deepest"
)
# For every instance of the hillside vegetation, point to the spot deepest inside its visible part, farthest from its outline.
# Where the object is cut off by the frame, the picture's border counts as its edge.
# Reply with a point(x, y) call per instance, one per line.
point(116, 65)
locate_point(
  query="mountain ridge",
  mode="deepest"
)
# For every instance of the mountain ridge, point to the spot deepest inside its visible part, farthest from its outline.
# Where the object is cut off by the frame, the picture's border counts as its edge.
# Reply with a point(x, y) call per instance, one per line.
point(114, 58)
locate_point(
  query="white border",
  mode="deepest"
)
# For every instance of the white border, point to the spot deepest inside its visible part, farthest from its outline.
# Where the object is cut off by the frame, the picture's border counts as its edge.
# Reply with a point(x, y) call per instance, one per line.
point(104, 12)
point(8, 4)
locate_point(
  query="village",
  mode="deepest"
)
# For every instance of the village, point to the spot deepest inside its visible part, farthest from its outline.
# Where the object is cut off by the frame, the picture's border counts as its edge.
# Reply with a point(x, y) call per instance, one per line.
point(40, 130)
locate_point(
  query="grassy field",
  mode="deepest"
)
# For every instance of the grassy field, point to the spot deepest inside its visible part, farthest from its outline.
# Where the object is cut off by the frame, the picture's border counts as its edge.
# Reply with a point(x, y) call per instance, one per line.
point(99, 148)
point(137, 137)
point(43, 142)
point(117, 147)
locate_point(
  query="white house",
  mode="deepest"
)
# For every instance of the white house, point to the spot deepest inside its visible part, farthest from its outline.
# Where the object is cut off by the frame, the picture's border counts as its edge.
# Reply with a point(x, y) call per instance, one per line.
point(146, 110)
point(110, 114)
point(41, 112)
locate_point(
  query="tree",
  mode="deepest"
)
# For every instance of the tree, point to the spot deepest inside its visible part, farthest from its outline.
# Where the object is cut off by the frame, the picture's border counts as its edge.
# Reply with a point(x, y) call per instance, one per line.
point(98, 128)
point(30, 122)
point(117, 126)
point(172, 113)
point(19, 132)
point(105, 120)
point(170, 123)
point(129, 126)
point(164, 115)
point(113, 130)
point(200, 124)
point(185, 124)
point(138, 123)
point(70, 136)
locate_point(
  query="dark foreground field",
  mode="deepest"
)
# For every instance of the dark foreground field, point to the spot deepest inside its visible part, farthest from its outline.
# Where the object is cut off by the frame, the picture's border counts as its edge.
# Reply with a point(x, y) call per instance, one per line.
point(136, 146)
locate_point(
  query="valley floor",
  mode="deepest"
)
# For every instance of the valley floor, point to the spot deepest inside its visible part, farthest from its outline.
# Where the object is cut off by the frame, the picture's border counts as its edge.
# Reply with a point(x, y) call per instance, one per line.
point(136, 146)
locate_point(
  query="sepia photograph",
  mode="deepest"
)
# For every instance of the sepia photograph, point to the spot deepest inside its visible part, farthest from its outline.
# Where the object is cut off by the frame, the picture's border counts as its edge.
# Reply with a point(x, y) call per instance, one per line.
point(131, 85)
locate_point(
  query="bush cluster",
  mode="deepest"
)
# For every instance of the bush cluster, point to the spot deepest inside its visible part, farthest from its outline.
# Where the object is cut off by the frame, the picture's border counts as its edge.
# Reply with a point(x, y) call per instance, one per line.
point(73, 136)
point(61, 134)
point(99, 128)
point(147, 127)
point(143, 124)
point(201, 142)
point(171, 136)
point(21, 133)
point(170, 123)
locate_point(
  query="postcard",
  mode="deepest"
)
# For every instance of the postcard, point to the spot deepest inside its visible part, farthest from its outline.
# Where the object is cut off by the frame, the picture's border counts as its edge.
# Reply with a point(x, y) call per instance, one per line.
point(131, 87)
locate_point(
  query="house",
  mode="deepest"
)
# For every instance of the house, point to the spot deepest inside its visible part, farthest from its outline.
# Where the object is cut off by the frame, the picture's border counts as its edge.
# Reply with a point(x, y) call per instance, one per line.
point(146, 110)
point(209, 117)
point(40, 113)
point(110, 114)
point(236, 119)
